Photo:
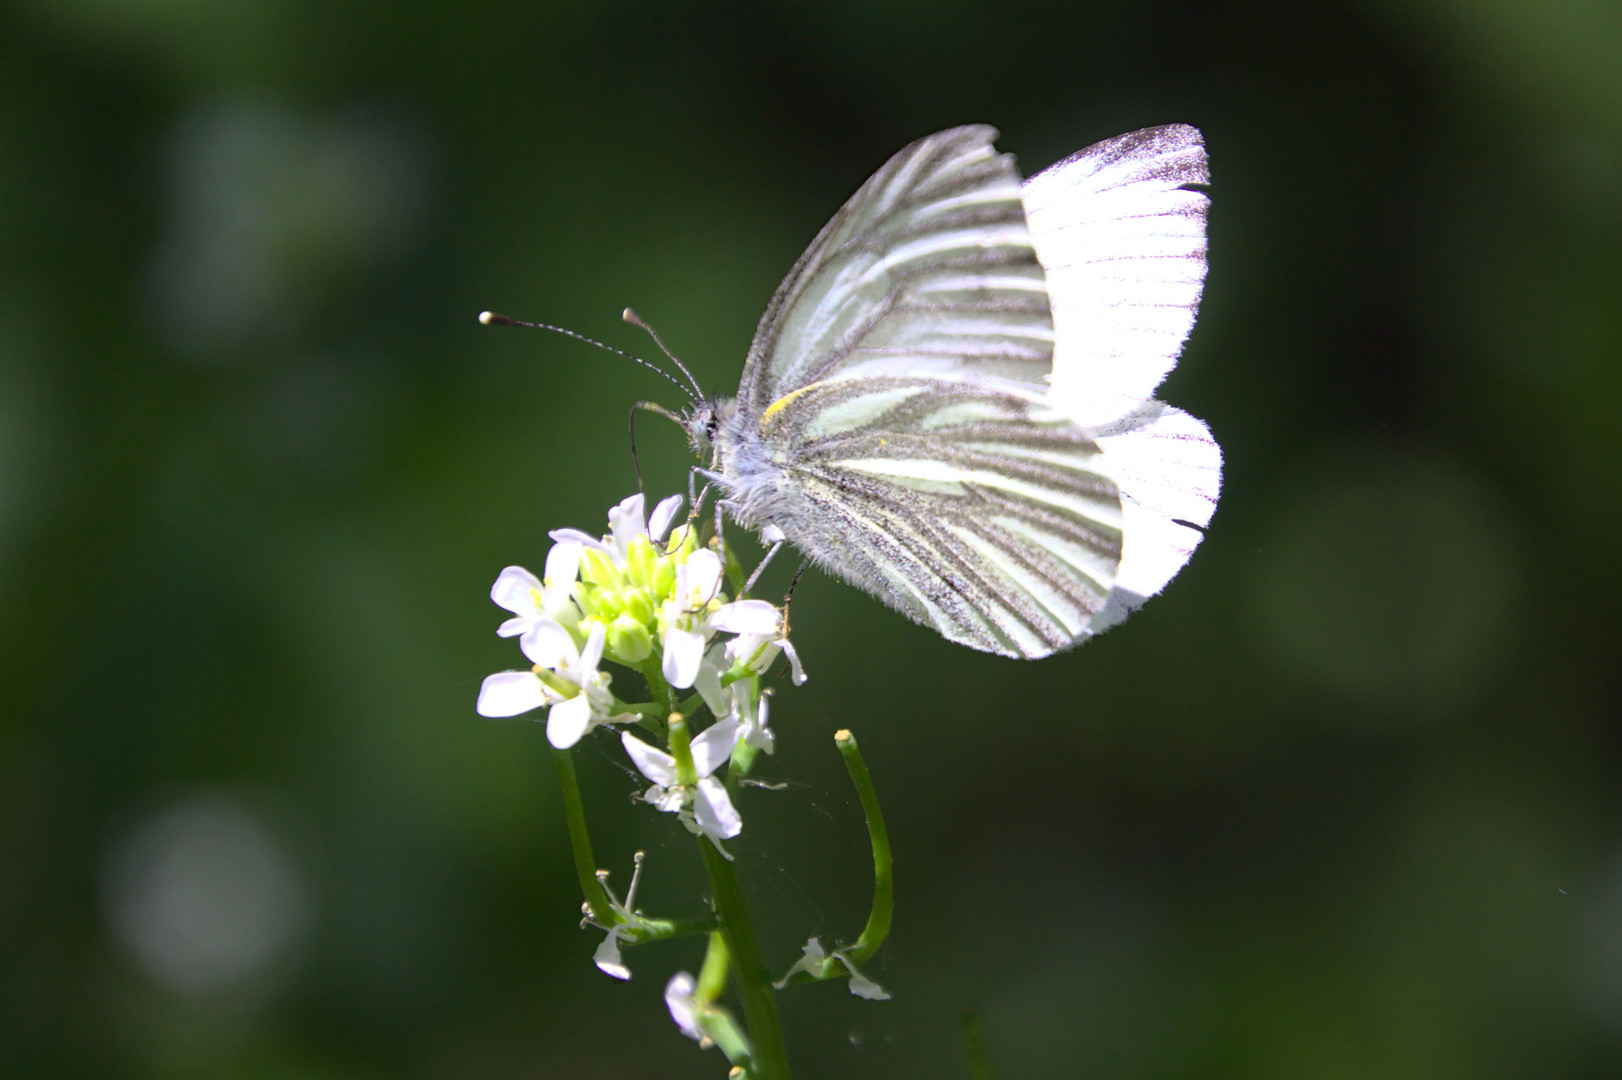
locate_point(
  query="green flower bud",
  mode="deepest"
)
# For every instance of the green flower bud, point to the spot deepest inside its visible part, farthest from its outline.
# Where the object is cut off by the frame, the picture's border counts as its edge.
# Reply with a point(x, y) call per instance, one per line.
point(639, 558)
point(664, 578)
point(585, 597)
point(598, 569)
point(610, 602)
point(639, 606)
point(629, 640)
point(682, 542)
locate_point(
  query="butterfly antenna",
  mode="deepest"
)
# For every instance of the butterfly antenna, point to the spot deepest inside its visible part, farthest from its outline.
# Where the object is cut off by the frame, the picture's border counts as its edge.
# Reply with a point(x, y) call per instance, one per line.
point(491, 318)
point(637, 321)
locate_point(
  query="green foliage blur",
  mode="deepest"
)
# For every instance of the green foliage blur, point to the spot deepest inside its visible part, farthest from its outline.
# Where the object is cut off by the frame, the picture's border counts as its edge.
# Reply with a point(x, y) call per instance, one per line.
point(1343, 802)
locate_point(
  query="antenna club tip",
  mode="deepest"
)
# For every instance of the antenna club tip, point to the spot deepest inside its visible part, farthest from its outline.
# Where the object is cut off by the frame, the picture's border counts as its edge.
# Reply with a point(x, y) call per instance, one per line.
point(629, 316)
point(487, 317)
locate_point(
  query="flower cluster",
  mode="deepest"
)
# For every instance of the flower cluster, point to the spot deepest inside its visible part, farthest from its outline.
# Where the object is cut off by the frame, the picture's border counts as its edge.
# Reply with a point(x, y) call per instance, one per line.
point(648, 597)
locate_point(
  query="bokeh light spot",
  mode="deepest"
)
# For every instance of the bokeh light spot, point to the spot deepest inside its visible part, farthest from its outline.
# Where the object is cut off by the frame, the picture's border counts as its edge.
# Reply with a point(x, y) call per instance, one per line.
point(204, 893)
point(1394, 581)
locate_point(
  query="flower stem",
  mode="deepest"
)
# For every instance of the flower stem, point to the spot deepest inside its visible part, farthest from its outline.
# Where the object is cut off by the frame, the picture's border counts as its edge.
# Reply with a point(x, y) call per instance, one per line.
point(585, 864)
point(715, 1021)
point(974, 1048)
point(712, 977)
point(878, 919)
point(754, 991)
point(654, 675)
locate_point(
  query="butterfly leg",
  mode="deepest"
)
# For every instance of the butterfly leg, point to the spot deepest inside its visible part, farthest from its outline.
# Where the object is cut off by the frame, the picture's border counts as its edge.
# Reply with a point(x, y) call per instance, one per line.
point(695, 494)
point(788, 597)
point(749, 585)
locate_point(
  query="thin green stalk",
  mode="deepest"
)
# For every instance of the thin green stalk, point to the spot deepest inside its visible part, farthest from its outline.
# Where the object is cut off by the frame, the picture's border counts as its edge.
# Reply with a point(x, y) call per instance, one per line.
point(645, 930)
point(653, 673)
point(974, 1048)
point(878, 918)
point(585, 864)
point(712, 977)
point(715, 1021)
point(754, 990)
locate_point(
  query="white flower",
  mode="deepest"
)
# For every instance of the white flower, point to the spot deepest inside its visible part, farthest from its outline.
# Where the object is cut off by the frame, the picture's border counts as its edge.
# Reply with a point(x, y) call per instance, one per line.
point(698, 581)
point(517, 590)
point(551, 648)
point(814, 957)
point(704, 806)
point(625, 926)
point(683, 1009)
point(758, 626)
point(754, 732)
point(607, 957)
point(734, 702)
point(626, 523)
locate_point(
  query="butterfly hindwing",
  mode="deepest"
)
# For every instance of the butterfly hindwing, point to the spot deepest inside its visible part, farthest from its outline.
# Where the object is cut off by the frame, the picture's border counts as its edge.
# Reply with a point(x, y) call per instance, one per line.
point(980, 512)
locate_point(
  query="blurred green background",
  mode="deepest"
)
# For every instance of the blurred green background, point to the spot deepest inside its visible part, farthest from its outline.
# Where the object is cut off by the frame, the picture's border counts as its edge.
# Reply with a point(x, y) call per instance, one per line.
point(1342, 803)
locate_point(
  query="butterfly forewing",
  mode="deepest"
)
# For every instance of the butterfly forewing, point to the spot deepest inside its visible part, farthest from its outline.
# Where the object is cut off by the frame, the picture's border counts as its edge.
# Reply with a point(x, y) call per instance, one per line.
point(977, 511)
point(1120, 229)
point(929, 267)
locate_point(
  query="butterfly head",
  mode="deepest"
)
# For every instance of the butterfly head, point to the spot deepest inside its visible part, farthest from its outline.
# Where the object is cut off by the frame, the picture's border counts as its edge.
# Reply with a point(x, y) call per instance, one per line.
point(704, 420)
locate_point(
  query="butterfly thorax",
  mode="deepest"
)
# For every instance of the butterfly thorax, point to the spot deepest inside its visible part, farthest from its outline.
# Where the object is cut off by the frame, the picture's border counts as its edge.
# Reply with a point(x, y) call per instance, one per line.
point(739, 463)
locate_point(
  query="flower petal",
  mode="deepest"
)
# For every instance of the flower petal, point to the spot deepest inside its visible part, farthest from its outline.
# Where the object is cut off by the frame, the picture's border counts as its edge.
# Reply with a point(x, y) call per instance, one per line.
point(549, 645)
point(514, 626)
point(563, 563)
point(515, 590)
point(713, 745)
point(668, 800)
point(860, 984)
point(592, 654)
point(755, 731)
point(568, 721)
point(684, 651)
point(811, 958)
point(796, 672)
point(746, 617)
point(663, 514)
point(508, 693)
point(863, 987)
point(650, 761)
point(607, 957)
point(679, 1000)
point(708, 682)
point(575, 536)
point(627, 521)
point(714, 810)
point(698, 580)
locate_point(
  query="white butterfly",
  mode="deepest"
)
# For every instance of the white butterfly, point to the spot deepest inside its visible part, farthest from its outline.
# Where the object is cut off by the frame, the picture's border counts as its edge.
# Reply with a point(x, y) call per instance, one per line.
point(948, 402)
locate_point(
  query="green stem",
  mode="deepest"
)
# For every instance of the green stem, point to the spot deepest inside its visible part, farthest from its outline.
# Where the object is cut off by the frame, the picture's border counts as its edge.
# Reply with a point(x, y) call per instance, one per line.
point(647, 930)
point(712, 977)
point(653, 674)
point(754, 990)
point(878, 919)
point(714, 1020)
point(974, 1048)
point(585, 864)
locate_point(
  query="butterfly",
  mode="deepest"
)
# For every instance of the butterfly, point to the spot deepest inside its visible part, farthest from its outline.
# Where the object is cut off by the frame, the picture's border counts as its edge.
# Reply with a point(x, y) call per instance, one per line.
point(948, 402)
